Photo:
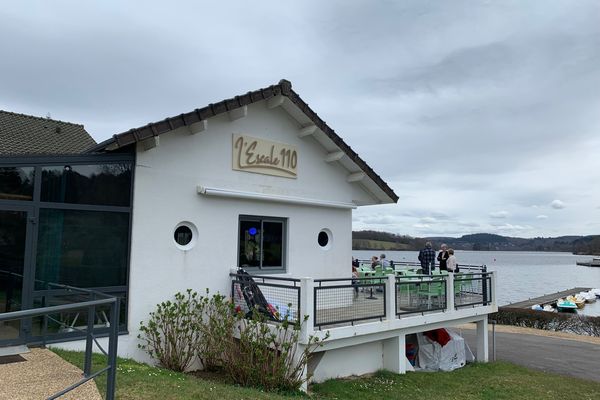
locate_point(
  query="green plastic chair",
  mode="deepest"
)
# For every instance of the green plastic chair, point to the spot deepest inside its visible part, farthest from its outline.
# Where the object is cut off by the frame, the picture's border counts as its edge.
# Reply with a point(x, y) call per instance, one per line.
point(432, 290)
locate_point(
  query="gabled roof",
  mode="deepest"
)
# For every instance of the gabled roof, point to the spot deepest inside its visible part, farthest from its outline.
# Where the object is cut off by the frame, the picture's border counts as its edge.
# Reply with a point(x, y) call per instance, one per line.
point(22, 134)
point(283, 88)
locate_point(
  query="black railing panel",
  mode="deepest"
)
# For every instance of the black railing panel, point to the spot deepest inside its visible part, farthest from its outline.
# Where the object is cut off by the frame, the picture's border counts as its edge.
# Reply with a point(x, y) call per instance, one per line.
point(280, 296)
point(420, 294)
point(346, 301)
point(472, 289)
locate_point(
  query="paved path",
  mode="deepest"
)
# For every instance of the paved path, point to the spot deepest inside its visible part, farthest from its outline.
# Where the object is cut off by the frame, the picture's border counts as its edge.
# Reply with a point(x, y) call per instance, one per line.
point(42, 375)
point(551, 354)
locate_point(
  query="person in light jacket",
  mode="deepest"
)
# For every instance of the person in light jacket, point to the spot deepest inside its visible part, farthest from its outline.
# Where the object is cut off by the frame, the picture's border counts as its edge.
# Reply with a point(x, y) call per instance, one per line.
point(451, 261)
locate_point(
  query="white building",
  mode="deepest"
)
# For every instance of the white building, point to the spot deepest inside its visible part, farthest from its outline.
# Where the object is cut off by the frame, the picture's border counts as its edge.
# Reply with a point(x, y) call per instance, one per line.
point(259, 181)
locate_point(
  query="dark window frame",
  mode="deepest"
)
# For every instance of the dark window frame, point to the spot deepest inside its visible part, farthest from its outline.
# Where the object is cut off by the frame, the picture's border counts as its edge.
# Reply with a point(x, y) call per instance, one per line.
point(36, 205)
point(284, 241)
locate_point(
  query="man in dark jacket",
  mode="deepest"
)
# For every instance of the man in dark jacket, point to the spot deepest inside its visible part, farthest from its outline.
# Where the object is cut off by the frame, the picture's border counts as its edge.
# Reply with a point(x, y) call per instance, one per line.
point(427, 258)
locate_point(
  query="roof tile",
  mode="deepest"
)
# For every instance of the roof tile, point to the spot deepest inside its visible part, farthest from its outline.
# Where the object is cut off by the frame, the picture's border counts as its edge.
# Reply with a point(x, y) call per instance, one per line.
point(22, 134)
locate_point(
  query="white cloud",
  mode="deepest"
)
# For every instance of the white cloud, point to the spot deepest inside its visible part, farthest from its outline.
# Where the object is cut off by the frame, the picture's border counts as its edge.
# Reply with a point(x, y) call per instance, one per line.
point(557, 205)
point(499, 214)
point(422, 226)
point(542, 216)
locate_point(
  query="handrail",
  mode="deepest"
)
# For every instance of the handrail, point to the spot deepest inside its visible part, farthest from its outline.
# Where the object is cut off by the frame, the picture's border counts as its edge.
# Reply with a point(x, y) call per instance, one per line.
point(418, 264)
point(88, 334)
point(263, 277)
point(38, 312)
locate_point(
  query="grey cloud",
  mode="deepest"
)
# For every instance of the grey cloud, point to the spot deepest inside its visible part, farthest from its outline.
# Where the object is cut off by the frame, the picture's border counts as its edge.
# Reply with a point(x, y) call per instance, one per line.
point(557, 204)
point(499, 214)
point(456, 104)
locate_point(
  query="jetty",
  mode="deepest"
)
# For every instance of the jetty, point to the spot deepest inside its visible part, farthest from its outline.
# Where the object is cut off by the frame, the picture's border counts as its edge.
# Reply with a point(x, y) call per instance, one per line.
point(546, 299)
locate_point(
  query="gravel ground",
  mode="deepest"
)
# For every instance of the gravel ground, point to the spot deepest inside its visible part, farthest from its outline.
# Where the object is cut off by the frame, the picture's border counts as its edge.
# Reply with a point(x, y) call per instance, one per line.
point(42, 375)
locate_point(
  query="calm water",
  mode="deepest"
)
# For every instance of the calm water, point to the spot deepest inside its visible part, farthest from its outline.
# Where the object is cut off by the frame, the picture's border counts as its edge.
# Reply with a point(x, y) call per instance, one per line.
point(521, 275)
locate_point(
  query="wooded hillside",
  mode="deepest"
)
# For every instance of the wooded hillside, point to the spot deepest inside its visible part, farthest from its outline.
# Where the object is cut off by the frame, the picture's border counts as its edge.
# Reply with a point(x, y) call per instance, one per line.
point(375, 240)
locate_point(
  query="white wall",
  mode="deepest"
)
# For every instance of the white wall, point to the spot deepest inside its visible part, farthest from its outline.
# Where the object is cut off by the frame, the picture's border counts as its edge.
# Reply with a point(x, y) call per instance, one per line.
point(165, 184)
point(347, 361)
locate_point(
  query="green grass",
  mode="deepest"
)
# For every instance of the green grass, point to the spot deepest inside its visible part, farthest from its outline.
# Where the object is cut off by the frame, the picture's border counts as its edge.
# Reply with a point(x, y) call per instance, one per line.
point(495, 381)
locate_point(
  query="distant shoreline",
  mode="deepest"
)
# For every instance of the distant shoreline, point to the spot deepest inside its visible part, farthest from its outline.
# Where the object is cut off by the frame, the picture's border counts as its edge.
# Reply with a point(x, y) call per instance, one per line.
point(487, 251)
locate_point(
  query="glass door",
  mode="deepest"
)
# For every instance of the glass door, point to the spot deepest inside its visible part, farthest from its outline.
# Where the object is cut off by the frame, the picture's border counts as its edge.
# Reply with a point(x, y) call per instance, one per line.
point(14, 264)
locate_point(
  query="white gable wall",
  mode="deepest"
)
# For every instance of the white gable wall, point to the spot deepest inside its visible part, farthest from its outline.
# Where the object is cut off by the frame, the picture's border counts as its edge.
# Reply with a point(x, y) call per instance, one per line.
point(165, 194)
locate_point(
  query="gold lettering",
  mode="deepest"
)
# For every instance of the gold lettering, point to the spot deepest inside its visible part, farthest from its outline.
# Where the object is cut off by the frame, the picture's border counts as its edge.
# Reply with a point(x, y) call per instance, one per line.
point(259, 156)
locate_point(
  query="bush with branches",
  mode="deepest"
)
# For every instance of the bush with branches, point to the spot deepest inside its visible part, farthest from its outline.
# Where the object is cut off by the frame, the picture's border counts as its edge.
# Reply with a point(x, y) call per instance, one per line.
point(252, 352)
point(172, 332)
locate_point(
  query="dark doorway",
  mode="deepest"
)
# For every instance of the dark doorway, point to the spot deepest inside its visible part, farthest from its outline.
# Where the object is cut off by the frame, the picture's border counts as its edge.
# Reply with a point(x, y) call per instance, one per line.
point(14, 265)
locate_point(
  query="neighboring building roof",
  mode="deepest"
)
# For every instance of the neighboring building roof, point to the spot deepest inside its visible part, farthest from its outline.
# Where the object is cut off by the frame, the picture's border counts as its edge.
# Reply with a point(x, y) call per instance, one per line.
point(22, 134)
point(283, 88)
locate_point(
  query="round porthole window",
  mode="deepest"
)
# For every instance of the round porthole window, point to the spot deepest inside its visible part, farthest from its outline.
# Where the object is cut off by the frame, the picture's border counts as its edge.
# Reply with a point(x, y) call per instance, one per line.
point(185, 235)
point(324, 239)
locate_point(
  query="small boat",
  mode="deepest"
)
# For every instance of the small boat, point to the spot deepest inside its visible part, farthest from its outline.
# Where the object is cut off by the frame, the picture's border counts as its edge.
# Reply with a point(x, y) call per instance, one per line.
point(579, 302)
point(595, 262)
point(549, 308)
point(536, 307)
point(596, 292)
point(589, 297)
point(565, 305)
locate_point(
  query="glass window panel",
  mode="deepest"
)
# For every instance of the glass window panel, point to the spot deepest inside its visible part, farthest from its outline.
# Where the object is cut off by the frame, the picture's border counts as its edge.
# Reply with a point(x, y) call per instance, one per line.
point(16, 183)
point(250, 236)
point(75, 320)
point(261, 242)
point(102, 184)
point(272, 244)
point(82, 248)
point(13, 229)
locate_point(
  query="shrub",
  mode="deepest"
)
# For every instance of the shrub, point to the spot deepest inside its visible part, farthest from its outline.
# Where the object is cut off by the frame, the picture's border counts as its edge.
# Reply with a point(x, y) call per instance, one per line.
point(171, 334)
point(559, 322)
point(252, 352)
point(216, 329)
point(268, 355)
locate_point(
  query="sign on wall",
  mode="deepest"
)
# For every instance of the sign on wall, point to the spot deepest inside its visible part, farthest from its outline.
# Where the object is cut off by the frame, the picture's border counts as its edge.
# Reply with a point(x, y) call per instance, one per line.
point(264, 157)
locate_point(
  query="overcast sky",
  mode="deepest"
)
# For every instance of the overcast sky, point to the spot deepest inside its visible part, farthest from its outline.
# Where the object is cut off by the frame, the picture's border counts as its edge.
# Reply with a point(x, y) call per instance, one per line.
point(482, 116)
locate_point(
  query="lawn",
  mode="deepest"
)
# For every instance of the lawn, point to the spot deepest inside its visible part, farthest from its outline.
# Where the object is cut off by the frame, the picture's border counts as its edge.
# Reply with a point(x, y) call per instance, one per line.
point(497, 380)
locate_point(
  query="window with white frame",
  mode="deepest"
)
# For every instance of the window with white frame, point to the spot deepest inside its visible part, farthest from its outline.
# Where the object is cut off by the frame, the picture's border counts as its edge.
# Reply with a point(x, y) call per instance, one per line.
point(262, 242)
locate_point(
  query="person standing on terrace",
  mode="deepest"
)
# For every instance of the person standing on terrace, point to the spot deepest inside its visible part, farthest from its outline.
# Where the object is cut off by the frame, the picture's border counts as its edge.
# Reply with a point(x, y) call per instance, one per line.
point(452, 264)
point(383, 261)
point(442, 257)
point(427, 259)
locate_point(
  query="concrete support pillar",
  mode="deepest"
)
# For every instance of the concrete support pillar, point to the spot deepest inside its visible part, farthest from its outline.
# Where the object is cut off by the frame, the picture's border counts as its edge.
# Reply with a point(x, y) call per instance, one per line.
point(450, 292)
point(482, 340)
point(493, 288)
point(307, 305)
point(390, 297)
point(394, 354)
point(304, 374)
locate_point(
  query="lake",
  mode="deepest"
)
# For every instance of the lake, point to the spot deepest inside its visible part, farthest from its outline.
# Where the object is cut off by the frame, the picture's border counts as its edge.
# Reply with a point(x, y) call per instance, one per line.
point(521, 274)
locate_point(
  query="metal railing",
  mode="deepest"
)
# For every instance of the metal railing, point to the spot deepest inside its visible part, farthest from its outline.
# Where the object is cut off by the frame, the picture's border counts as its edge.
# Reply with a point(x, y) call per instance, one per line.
point(347, 300)
point(473, 289)
point(420, 294)
point(337, 302)
point(282, 295)
point(414, 265)
point(97, 300)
